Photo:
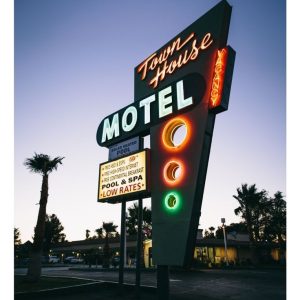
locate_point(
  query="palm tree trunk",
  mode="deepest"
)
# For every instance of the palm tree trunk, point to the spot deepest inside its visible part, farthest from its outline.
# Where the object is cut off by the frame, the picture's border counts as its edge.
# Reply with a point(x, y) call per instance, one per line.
point(251, 239)
point(34, 267)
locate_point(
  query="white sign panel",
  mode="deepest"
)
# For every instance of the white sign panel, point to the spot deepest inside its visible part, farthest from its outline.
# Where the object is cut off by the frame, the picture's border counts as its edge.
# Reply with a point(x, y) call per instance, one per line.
point(123, 178)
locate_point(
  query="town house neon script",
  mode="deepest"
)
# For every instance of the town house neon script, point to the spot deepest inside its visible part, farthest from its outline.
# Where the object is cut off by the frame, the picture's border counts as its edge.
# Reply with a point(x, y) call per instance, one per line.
point(155, 61)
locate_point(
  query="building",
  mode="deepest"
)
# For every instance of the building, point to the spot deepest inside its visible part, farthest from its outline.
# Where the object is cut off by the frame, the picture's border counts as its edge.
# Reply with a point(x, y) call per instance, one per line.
point(208, 251)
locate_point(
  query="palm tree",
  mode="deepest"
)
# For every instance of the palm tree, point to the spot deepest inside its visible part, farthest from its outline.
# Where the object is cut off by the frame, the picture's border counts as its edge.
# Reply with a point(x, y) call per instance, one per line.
point(42, 164)
point(250, 201)
point(212, 230)
point(87, 234)
point(275, 222)
point(279, 220)
point(132, 221)
point(99, 232)
point(110, 230)
point(17, 240)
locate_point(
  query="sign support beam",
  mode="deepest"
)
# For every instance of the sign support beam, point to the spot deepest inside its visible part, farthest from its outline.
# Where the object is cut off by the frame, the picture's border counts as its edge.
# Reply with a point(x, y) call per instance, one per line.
point(139, 245)
point(139, 237)
point(122, 243)
point(163, 283)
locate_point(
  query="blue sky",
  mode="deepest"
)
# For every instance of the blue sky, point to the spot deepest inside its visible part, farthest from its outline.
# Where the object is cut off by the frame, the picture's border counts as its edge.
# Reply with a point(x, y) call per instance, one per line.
point(74, 63)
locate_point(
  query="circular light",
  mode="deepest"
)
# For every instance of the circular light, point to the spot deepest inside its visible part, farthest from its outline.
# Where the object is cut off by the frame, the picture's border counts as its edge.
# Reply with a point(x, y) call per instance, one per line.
point(173, 172)
point(172, 201)
point(176, 134)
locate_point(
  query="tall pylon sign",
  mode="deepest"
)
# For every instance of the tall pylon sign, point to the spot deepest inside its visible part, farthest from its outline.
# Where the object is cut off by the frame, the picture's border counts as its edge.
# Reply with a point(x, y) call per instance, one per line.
point(178, 91)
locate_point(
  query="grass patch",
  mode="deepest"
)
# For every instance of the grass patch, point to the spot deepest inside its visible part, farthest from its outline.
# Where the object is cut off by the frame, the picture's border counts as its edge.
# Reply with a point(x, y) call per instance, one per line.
point(21, 285)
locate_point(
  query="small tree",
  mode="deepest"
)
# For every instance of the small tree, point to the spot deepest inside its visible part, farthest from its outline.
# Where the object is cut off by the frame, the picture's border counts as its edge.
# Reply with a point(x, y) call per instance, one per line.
point(87, 234)
point(53, 232)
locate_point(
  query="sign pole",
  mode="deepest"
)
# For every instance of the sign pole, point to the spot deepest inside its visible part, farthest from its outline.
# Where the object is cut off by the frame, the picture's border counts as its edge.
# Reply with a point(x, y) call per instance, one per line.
point(139, 245)
point(122, 243)
point(139, 237)
point(163, 283)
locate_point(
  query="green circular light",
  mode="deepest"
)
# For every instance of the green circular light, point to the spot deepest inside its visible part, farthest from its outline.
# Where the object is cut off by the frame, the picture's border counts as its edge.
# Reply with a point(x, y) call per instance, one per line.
point(172, 202)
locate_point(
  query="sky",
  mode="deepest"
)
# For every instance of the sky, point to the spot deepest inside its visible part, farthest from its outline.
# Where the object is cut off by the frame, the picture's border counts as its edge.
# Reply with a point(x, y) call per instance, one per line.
point(74, 63)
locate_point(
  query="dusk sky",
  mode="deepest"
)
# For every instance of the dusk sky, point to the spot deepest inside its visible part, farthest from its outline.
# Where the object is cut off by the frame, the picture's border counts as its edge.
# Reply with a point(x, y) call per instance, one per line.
point(74, 65)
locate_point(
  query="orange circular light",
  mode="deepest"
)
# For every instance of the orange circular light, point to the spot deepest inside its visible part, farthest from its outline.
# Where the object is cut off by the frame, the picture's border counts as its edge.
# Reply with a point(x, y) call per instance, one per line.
point(169, 131)
point(173, 172)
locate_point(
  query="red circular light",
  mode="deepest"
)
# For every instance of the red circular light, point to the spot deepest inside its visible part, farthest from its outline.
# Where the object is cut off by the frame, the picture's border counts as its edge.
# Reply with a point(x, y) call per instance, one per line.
point(173, 172)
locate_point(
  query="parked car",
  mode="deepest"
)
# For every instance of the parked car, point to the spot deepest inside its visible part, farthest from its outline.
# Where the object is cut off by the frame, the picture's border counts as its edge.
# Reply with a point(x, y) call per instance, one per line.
point(68, 259)
point(53, 259)
point(76, 261)
point(73, 260)
point(115, 261)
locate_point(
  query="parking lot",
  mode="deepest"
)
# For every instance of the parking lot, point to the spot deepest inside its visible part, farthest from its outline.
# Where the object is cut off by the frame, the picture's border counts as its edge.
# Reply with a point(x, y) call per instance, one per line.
point(205, 284)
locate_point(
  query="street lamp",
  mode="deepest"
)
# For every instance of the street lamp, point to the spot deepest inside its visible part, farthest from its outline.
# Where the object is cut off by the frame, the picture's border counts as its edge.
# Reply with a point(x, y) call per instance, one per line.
point(225, 240)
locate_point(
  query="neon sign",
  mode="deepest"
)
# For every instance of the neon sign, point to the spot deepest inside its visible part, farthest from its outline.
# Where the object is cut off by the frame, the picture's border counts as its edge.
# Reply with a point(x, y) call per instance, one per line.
point(218, 78)
point(178, 90)
point(160, 64)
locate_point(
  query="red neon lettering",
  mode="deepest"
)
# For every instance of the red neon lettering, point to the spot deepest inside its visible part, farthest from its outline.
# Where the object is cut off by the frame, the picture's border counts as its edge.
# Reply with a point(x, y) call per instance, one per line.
point(218, 78)
point(160, 64)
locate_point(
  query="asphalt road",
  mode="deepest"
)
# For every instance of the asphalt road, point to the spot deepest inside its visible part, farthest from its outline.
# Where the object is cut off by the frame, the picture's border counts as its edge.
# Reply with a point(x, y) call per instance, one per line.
point(210, 284)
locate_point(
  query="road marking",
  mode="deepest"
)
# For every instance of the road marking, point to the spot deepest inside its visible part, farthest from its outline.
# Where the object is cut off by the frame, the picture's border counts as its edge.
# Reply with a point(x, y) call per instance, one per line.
point(175, 280)
point(72, 277)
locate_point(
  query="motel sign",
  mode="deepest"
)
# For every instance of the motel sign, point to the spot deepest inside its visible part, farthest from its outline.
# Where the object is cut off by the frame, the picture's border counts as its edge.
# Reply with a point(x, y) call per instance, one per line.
point(184, 84)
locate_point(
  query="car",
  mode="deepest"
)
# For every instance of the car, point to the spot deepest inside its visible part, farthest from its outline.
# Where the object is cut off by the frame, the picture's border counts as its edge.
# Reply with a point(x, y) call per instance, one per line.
point(53, 259)
point(68, 259)
point(76, 261)
point(115, 261)
point(73, 260)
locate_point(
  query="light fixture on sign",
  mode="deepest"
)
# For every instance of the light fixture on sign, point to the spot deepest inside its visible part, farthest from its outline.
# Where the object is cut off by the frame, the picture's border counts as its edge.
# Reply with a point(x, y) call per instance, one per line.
point(172, 202)
point(170, 130)
point(173, 172)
